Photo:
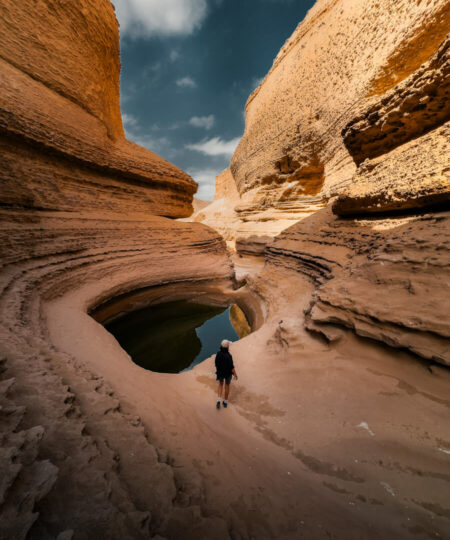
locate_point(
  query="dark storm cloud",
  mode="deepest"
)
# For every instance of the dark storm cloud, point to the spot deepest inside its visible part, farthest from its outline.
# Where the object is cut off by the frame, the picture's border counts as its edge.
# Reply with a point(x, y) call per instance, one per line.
point(188, 67)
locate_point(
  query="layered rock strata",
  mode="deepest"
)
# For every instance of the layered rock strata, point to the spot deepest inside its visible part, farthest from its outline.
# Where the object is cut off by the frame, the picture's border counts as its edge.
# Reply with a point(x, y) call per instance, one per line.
point(249, 227)
point(81, 222)
point(71, 109)
point(356, 109)
point(70, 477)
point(401, 144)
point(355, 80)
point(385, 279)
point(220, 213)
point(341, 56)
point(81, 209)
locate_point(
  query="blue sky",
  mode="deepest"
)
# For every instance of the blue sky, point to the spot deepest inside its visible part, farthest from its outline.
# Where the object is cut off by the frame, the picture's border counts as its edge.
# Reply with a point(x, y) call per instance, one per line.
point(188, 67)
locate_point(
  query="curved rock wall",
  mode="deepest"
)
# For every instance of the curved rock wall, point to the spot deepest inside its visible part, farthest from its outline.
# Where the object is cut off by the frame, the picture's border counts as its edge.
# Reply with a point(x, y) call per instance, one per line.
point(59, 94)
point(331, 66)
point(81, 209)
point(351, 77)
point(65, 430)
point(82, 221)
point(356, 108)
point(385, 279)
point(71, 48)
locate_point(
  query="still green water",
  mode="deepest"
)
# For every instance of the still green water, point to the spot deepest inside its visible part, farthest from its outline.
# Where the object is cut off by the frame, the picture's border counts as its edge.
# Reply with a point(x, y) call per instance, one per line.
point(173, 337)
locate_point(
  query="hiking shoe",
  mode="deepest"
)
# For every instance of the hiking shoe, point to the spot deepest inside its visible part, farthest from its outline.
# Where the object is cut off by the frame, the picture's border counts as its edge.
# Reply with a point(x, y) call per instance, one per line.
point(225, 404)
point(218, 405)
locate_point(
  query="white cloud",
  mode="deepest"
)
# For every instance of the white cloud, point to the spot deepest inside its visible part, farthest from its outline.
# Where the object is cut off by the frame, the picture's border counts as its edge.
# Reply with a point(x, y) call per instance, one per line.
point(206, 180)
point(256, 81)
point(205, 122)
point(215, 147)
point(129, 121)
point(146, 18)
point(186, 82)
point(157, 144)
point(174, 55)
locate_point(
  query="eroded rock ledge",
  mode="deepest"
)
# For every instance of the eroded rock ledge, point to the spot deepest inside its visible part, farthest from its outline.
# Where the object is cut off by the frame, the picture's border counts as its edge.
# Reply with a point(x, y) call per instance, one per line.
point(401, 144)
point(81, 222)
point(75, 425)
point(383, 278)
point(68, 111)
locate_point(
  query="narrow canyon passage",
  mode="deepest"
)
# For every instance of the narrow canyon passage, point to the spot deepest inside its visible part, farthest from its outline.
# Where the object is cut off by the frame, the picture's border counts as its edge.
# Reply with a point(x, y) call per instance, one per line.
point(329, 228)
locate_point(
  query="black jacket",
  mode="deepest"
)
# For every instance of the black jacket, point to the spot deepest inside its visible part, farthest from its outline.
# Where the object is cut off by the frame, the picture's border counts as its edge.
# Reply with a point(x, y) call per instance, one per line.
point(224, 363)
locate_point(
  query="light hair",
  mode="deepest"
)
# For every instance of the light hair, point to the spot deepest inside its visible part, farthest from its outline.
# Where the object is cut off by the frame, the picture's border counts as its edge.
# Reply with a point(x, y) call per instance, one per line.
point(225, 343)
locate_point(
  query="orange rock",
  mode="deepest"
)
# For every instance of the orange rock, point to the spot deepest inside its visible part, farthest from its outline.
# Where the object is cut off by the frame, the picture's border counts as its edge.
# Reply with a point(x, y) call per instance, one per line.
point(59, 91)
point(319, 81)
point(355, 111)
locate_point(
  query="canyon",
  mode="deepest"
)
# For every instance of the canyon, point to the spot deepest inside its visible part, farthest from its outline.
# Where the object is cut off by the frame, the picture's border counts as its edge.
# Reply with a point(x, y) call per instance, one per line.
point(330, 229)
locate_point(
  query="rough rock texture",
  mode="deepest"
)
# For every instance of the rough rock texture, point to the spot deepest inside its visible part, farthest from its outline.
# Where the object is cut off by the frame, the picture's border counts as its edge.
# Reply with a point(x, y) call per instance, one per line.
point(80, 208)
point(225, 186)
point(68, 104)
point(346, 441)
point(356, 106)
point(386, 184)
point(35, 42)
point(261, 219)
point(248, 227)
point(331, 66)
point(220, 212)
point(80, 431)
point(384, 278)
point(401, 144)
point(410, 109)
point(354, 81)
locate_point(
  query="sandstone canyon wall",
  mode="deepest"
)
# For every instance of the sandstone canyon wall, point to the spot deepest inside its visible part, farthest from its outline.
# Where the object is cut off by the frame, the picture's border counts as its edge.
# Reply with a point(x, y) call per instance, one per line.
point(80, 210)
point(60, 91)
point(345, 60)
point(344, 56)
point(355, 114)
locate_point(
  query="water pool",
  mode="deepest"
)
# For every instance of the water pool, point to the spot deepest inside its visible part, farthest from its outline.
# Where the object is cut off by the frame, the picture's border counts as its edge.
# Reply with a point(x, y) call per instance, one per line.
point(176, 336)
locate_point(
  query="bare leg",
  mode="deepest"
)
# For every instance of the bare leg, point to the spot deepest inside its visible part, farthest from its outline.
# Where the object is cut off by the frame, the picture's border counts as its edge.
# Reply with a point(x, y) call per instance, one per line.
point(220, 389)
point(227, 391)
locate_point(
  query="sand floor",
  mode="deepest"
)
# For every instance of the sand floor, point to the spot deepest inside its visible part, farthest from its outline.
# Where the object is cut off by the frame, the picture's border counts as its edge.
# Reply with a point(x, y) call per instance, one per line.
point(344, 441)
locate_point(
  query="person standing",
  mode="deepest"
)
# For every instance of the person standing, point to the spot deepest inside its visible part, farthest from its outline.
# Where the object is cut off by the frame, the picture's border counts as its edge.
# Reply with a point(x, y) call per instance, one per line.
point(224, 372)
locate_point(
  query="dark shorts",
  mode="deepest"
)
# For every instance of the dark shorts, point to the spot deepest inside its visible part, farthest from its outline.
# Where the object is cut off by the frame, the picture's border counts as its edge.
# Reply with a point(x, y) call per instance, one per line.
point(226, 379)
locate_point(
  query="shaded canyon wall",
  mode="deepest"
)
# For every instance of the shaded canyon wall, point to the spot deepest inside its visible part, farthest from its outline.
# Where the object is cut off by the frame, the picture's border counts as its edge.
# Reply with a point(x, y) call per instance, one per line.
point(81, 210)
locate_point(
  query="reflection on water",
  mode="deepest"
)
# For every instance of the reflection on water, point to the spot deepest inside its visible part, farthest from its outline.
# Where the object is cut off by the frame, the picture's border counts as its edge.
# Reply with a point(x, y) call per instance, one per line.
point(239, 321)
point(176, 336)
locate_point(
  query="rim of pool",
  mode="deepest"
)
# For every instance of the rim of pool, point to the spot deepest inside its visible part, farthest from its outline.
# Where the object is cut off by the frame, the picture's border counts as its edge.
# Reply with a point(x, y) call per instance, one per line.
point(175, 336)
